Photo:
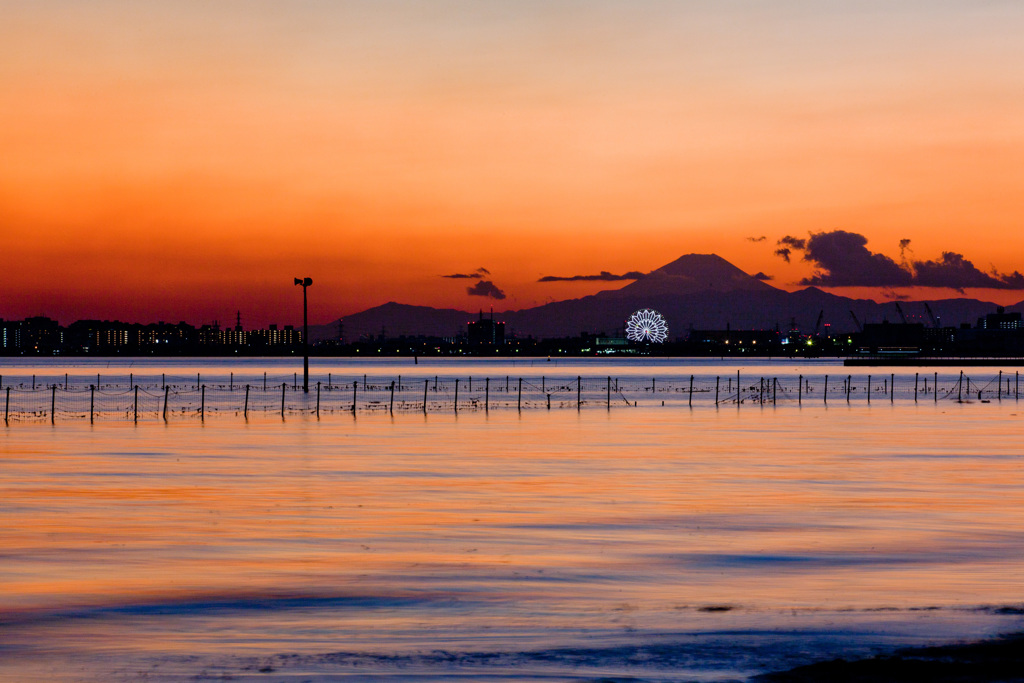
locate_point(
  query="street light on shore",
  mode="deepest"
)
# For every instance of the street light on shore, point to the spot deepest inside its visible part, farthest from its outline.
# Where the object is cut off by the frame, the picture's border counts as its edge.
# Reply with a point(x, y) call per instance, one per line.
point(305, 282)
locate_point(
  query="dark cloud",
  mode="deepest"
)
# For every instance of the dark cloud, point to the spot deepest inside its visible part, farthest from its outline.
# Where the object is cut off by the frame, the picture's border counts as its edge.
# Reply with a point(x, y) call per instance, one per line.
point(762, 276)
point(954, 271)
point(485, 288)
point(842, 259)
point(762, 238)
point(603, 276)
point(475, 275)
point(793, 242)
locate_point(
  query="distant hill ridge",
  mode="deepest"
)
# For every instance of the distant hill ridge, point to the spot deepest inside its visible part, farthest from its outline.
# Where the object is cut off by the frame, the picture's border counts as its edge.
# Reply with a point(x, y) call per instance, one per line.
point(696, 291)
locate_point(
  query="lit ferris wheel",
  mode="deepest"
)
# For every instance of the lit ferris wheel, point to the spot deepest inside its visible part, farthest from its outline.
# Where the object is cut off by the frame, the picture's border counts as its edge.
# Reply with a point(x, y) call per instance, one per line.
point(647, 325)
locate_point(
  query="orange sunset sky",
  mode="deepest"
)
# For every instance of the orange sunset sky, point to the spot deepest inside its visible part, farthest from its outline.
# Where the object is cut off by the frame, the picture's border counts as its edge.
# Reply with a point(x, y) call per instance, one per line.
point(183, 160)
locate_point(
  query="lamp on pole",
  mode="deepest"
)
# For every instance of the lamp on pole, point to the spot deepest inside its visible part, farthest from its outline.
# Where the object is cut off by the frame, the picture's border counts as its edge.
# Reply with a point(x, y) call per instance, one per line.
point(305, 282)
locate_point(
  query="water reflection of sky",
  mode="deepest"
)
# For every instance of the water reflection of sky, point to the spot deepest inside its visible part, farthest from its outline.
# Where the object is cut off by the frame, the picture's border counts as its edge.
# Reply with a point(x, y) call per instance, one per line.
point(509, 534)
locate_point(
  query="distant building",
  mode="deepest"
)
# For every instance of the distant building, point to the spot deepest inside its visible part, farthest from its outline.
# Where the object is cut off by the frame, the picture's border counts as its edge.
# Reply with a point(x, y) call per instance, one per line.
point(486, 331)
point(1000, 320)
point(274, 338)
point(887, 338)
point(10, 335)
point(737, 341)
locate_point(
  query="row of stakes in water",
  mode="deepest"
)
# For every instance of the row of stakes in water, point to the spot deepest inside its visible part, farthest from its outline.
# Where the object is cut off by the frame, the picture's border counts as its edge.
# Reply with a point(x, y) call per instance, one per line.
point(763, 391)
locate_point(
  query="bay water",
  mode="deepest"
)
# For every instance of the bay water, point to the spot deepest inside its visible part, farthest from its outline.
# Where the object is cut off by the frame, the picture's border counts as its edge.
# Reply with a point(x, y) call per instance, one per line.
point(655, 542)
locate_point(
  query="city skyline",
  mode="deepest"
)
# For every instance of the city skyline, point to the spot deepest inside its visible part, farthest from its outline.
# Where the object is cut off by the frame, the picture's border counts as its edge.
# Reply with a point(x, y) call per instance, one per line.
point(180, 162)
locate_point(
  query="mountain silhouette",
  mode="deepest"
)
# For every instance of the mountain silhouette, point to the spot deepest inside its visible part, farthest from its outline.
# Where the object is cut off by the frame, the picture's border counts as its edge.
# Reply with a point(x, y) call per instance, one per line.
point(696, 291)
point(694, 273)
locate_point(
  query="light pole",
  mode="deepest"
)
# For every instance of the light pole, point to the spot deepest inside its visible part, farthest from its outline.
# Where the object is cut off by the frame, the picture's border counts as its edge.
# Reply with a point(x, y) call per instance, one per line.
point(305, 282)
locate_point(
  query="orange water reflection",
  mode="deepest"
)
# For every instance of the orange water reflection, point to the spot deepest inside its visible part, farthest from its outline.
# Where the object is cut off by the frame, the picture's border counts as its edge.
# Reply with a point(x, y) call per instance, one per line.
point(546, 527)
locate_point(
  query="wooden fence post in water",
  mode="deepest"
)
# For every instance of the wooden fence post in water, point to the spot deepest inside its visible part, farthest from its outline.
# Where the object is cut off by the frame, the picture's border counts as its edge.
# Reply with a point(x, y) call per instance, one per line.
point(519, 401)
point(198, 380)
point(999, 396)
point(7, 405)
point(849, 385)
point(487, 395)
point(33, 382)
point(136, 405)
point(892, 387)
point(800, 390)
point(869, 389)
point(959, 388)
point(66, 379)
point(717, 382)
point(355, 384)
point(579, 383)
point(245, 408)
point(690, 400)
point(318, 398)
point(264, 381)
point(202, 403)
point(92, 401)
point(775, 389)
point(543, 386)
point(609, 399)
point(284, 385)
point(53, 404)
point(456, 395)
point(935, 389)
point(131, 380)
point(824, 394)
point(549, 401)
point(426, 384)
point(737, 387)
point(163, 380)
point(167, 390)
point(915, 386)
point(391, 405)
point(1016, 385)
point(231, 382)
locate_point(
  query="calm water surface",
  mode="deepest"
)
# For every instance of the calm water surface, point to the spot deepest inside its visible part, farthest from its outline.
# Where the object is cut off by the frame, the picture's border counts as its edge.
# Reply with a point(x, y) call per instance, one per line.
point(657, 543)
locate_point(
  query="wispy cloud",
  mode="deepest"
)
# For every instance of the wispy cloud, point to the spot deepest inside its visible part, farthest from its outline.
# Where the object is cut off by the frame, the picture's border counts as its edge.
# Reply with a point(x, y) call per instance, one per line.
point(603, 276)
point(475, 275)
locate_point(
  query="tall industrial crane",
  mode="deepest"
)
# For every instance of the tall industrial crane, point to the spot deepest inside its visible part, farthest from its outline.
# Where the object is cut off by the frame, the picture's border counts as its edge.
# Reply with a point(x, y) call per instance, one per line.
point(899, 309)
point(860, 328)
point(817, 325)
point(935, 321)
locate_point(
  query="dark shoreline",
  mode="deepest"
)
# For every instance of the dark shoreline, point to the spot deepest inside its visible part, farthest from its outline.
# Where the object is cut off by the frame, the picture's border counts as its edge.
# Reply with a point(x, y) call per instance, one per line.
point(914, 361)
point(999, 659)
